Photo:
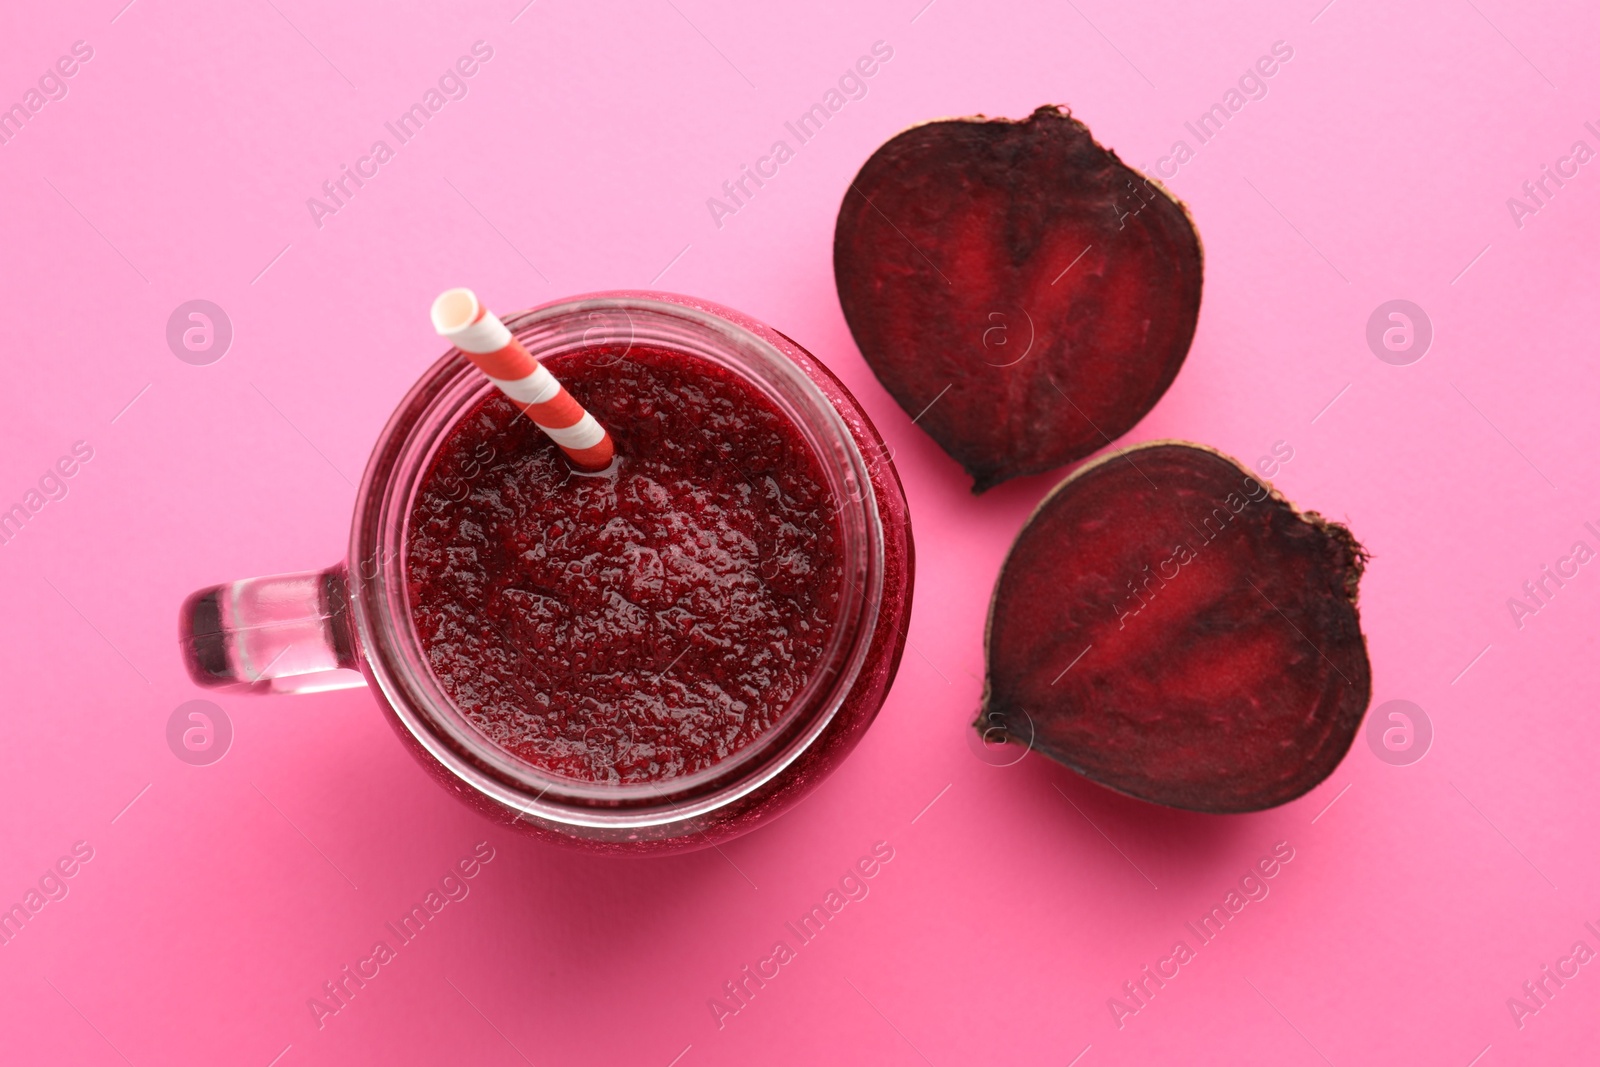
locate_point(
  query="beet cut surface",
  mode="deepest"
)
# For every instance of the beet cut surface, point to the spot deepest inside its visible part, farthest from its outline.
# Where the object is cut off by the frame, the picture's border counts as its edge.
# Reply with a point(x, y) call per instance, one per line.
point(1051, 287)
point(1169, 627)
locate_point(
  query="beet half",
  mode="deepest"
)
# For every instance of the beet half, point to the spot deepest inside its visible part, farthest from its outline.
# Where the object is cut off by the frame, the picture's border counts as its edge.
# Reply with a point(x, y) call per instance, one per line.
point(1016, 287)
point(1170, 627)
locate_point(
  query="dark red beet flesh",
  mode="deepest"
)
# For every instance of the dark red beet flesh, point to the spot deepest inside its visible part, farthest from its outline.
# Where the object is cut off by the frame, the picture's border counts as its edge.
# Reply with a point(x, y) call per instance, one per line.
point(1168, 626)
point(1053, 289)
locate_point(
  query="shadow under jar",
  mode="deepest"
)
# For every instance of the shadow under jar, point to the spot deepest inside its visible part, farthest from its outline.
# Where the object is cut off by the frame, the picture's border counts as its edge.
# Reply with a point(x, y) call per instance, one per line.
point(653, 658)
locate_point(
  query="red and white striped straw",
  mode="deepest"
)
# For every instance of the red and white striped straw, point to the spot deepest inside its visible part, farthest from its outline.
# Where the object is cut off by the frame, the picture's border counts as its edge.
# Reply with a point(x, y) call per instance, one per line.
point(460, 318)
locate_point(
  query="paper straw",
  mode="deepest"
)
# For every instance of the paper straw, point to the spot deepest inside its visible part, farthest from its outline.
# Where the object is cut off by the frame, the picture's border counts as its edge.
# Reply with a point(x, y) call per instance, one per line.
point(460, 318)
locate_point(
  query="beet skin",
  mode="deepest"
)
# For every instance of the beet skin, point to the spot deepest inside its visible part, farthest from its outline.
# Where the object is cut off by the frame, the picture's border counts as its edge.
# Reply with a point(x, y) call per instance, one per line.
point(1020, 291)
point(1170, 627)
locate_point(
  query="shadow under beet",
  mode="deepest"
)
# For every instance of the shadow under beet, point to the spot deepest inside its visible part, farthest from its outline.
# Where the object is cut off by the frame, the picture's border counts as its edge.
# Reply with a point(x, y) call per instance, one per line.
point(1171, 848)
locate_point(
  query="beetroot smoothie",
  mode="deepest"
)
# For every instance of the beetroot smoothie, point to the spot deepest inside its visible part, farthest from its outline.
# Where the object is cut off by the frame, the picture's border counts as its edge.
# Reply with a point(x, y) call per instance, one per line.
point(641, 624)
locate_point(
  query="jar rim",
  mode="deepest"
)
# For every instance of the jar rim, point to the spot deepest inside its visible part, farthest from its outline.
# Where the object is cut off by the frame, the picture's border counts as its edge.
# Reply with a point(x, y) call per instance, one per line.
point(379, 589)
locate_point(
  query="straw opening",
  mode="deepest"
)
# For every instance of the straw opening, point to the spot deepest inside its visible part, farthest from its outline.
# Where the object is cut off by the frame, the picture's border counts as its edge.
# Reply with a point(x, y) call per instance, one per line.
point(454, 310)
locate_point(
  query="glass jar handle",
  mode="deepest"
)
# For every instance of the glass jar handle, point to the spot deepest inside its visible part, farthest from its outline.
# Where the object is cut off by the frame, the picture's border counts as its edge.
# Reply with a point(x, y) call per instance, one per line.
point(288, 633)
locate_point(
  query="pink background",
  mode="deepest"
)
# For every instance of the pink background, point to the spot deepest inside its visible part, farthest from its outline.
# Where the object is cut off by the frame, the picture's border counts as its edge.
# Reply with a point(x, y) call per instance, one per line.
point(1377, 167)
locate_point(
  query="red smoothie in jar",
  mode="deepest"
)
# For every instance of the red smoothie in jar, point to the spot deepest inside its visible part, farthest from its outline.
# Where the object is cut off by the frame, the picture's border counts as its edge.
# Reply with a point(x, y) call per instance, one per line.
point(644, 623)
